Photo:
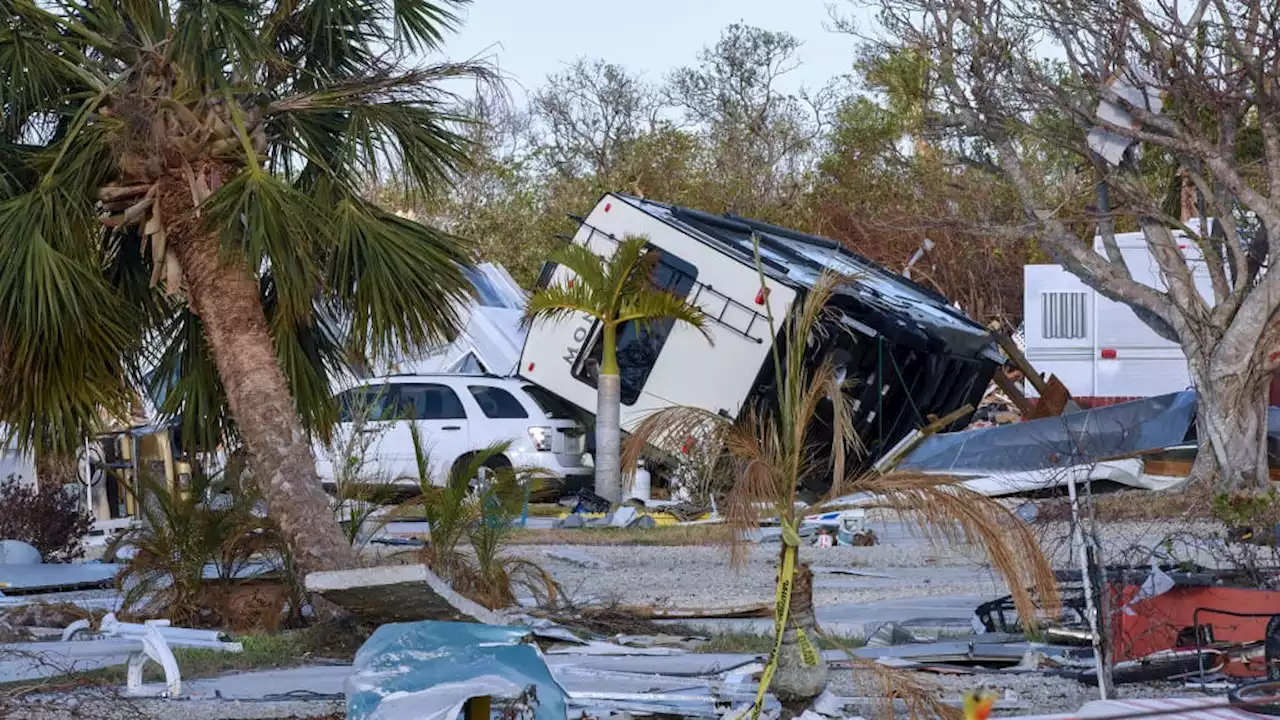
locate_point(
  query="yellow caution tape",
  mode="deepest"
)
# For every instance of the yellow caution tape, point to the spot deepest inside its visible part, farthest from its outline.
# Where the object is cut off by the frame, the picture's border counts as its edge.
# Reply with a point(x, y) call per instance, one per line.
point(808, 653)
point(781, 610)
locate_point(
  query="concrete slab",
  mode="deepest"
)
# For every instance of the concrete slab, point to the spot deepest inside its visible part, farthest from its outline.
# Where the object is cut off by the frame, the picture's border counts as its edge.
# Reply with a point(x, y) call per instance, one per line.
point(398, 593)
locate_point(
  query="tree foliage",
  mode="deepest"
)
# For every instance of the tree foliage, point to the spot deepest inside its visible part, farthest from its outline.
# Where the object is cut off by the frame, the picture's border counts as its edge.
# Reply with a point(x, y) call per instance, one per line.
point(732, 133)
point(127, 131)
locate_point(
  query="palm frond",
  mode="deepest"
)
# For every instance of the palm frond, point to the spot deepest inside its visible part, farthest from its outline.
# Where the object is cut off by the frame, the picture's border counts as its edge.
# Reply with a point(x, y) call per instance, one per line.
point(629, 270)
point(63, 331)
point(35, 74)
point(946, 512)
point(586, 265)
point(265, 220)
point(311, 354)
point(920, 696)
point(422, 24)
point(657, 306)
point(185, 384)
point(212, 35)
point(560, 302)
point(673, 430)
point(400, 282)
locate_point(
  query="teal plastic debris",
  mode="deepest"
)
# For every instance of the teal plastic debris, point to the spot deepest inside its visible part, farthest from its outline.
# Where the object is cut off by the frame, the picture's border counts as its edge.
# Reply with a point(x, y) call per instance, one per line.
point(429, 670)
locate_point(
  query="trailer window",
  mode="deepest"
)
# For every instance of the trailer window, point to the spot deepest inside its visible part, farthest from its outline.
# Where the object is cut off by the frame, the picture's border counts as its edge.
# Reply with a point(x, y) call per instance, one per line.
point(639, 344)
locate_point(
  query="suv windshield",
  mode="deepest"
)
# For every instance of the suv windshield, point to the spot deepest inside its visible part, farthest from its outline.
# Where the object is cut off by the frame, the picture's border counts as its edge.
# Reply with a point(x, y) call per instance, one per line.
point(552, 406)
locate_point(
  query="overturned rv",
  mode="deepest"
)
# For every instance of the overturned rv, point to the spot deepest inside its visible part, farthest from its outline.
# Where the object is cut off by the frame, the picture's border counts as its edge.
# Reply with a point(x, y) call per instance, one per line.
point(910, 355)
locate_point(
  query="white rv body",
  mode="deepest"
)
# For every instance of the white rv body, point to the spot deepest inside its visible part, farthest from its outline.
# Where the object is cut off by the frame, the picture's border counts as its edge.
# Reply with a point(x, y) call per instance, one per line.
point(686, 373)
point(1096, 346)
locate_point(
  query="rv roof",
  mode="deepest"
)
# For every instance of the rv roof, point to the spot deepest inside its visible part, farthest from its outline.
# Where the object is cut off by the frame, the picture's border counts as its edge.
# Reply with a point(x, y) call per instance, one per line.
point(798, 259)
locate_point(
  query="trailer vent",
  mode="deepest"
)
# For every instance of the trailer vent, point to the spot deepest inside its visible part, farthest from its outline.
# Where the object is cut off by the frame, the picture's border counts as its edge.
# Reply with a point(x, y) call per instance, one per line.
point(1062, 315)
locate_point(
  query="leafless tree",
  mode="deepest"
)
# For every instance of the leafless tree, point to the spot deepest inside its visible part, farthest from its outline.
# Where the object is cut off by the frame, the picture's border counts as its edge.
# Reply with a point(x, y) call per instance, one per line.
point(1120, 85)
point(589, 113)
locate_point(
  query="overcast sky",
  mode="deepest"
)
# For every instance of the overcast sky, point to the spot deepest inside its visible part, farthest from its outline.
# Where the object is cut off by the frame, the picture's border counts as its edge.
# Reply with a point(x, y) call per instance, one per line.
point(530, 39)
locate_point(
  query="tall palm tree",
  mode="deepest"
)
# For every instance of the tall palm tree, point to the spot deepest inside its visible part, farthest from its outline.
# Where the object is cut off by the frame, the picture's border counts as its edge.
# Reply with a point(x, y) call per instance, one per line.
point(616, 292)
point(773, 445)
point(217, 149)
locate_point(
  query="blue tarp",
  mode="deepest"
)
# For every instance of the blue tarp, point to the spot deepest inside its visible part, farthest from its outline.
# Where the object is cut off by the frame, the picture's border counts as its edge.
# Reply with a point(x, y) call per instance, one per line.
point(428, 670)
point(1077, 438)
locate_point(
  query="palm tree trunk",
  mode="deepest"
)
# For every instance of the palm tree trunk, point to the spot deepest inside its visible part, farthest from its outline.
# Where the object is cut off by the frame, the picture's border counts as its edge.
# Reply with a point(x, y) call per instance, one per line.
point(225, 296)
point(797, 683)
point(608, 437)
point(608, 456)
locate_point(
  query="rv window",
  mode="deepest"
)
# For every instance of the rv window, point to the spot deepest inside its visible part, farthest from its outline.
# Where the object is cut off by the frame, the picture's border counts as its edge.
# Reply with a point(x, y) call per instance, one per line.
point(639, 344)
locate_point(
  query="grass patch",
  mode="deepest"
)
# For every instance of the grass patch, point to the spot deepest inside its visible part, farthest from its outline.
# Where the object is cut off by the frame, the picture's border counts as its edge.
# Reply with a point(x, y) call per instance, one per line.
point(669, 535)
point(261, 652)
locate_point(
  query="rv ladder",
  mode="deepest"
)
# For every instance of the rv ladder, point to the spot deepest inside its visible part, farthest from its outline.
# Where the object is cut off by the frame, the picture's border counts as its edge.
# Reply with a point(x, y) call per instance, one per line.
point(713, 303)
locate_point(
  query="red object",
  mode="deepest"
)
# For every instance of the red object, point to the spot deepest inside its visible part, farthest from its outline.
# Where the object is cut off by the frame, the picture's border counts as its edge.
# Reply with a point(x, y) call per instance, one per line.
point(1158, 623)
point(608, 207)
point(1108, 353)
point(760, 296)
point(530, 367)
point(1275, 389)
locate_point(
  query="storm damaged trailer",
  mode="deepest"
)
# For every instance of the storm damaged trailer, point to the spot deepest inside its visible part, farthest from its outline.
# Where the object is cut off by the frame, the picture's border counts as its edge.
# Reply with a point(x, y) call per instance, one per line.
point(909, 354)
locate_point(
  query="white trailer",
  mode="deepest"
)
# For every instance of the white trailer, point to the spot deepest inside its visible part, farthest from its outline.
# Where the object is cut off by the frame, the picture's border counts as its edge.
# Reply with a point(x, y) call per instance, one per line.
point(1098, 347)
point(908, 351)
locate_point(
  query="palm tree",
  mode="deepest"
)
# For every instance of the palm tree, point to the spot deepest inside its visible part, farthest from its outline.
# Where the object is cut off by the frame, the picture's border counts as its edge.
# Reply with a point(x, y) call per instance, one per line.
point(617, 292)
point(217, 150)
point(773, 445)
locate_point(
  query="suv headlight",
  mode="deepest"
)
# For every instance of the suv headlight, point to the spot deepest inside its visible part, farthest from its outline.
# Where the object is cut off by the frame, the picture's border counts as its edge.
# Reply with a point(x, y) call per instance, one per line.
point(541, 437)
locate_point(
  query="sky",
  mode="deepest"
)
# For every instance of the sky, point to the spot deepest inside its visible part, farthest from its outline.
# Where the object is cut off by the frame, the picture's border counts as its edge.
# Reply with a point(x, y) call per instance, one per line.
point(530, 39)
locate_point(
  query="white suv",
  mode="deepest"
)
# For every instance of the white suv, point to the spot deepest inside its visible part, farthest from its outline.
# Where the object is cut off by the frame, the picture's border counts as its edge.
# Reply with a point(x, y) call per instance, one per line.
point(457, 415)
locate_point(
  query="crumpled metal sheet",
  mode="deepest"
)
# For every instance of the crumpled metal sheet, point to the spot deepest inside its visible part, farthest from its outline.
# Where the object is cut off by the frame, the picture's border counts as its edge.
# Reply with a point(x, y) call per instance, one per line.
point(1077, 438)
point(428, 670)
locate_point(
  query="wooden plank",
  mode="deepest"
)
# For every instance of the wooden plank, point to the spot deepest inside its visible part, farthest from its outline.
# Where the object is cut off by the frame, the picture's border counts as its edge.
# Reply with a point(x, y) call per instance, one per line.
point(1053, 400)
point(1015, 355)
point(1014, 393)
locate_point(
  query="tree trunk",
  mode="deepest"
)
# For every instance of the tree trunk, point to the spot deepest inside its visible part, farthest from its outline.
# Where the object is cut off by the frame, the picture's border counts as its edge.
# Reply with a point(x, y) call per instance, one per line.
point(225, 296)
point(54, 470)
point(1232, 417)
point(796, 683)
point(608, 437)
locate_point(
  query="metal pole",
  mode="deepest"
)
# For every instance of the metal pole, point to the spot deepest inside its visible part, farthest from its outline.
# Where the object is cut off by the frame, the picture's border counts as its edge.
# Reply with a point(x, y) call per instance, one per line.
point(1077, 545)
